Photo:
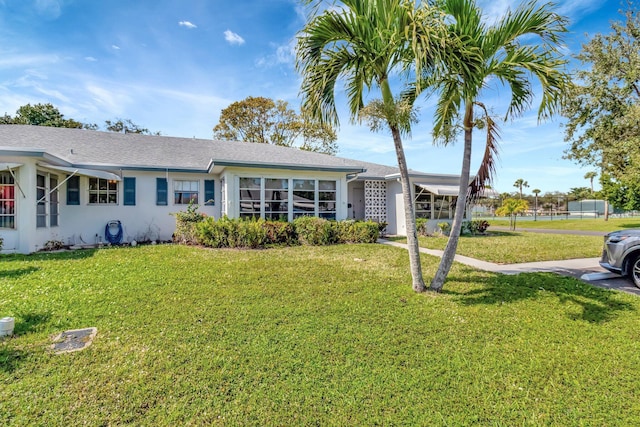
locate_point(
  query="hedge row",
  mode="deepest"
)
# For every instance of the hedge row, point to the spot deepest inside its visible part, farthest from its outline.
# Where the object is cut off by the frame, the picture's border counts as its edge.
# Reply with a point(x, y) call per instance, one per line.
point(196, 228)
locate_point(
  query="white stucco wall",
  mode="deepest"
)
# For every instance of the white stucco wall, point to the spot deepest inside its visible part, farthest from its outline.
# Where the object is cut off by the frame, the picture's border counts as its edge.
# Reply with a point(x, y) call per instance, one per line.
point(85, 223)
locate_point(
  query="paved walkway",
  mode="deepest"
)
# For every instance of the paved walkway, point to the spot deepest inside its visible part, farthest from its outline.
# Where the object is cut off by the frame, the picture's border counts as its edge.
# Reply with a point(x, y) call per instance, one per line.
point(586, 269)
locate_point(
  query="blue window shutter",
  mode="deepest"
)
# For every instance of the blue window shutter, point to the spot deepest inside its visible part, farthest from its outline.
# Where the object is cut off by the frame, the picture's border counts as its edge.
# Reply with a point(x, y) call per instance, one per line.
point(129, 185)
point(209, 193)
point(73, 190)
point(161, 192)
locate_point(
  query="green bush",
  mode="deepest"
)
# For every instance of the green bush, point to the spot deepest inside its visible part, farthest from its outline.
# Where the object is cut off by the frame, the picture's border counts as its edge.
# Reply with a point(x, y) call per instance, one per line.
point(421, 226)
point(280, 233)
point(477, 226)
point(314, 231)
point(232, 233)
point(445, 227)
point(351, 231)
point(186, 225)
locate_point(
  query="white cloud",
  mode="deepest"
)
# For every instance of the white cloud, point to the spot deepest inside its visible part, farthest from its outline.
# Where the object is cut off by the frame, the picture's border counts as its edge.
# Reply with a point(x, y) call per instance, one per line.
point(233, 38)
point(90, 59)
point(115, 46)
point(187, 24)
point(283, 54)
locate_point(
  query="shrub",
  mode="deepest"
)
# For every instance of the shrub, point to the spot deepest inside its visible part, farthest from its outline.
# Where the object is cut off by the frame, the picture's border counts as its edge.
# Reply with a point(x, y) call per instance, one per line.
point(314, 231)
point(478, 226)
point(445, 227)
point(280, 233)
point(1, 242)
point(351, 231)
point(232, 233)
point(421, 226)
point(186, 221)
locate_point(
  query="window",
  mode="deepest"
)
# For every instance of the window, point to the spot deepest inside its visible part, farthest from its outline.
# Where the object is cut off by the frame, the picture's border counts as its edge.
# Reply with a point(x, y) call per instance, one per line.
point(327, 199)
point(73, 190)
point(286, 199)
point(103, 191)
point(185, 192)
point(423, 202)
point(304, 195)
point(7, 201)
point(209, 192)
point(48, 203)
point(250, 197)
point(276, 199)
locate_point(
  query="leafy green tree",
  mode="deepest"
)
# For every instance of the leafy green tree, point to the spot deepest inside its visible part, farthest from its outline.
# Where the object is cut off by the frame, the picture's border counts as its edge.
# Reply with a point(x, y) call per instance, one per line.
point(126, 126)
point(603, 110)
point(511, 208)
point(519, 184)
point(522, 45)
point(40, 115)
point(262, 120)
point(364, 43)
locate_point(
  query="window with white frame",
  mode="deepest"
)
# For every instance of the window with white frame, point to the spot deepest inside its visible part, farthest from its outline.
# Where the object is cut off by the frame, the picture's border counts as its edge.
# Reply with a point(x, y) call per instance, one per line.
point(287, 198)
point(103, 191)
point(250, 197)
point(185, 192)
point(7, 201)
point(48, 202)
point(276, 199)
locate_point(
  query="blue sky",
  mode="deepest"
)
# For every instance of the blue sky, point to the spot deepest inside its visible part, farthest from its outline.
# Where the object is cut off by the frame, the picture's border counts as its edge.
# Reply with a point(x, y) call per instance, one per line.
point(172, 66)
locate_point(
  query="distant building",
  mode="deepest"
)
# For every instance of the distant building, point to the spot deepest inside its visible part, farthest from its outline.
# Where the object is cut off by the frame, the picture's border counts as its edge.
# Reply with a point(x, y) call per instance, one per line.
point(588, 207)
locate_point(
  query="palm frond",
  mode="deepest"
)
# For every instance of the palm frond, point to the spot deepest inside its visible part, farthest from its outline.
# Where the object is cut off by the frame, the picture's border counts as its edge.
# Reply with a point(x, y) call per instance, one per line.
point(487, 170)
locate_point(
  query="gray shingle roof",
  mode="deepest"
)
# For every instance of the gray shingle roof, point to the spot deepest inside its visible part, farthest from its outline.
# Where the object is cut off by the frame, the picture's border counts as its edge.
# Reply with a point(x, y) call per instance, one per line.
point(82, 147)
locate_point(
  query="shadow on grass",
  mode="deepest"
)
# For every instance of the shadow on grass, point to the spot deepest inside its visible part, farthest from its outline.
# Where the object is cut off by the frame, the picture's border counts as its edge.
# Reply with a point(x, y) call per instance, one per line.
point(9, 359)
point(25, 323)
point(50, 256)
point(29, 322)
point(598, 305)
point(629, 225)
point(18, 272)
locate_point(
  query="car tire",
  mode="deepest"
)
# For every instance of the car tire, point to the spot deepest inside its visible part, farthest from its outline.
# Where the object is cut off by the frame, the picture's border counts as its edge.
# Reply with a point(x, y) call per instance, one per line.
point(634, 270)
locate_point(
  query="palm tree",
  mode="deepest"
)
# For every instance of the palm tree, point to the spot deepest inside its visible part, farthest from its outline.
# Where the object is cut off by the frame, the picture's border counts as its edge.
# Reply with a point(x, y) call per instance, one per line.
point(536, 191)
point(503, 53)
point(590, 176)
point(365, 42)
point(519, 184)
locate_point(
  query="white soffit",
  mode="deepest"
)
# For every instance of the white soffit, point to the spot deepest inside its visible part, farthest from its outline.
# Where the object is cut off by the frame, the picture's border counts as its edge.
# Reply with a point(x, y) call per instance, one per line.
point(440, 190)
point(86, 172)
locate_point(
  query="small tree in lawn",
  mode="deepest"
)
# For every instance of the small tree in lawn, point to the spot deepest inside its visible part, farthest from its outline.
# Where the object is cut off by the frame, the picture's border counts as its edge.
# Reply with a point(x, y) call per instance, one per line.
point(511, 208)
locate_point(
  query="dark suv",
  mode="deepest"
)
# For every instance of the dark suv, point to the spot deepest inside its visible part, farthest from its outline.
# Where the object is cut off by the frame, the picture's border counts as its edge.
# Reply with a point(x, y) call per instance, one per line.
point(621, 254)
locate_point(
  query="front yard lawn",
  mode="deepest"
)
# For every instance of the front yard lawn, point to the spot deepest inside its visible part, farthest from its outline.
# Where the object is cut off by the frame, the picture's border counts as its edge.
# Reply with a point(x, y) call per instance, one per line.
point(309, 336)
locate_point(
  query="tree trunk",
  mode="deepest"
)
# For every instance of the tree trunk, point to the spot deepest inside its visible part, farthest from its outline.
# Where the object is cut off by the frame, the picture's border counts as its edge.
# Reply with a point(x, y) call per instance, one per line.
point(452, 244)
point(410, 218)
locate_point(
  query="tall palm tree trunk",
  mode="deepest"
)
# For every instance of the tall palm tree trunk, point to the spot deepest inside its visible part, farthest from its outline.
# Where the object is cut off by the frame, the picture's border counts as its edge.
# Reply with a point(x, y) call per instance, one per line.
point(452, 244)
point(410, 218)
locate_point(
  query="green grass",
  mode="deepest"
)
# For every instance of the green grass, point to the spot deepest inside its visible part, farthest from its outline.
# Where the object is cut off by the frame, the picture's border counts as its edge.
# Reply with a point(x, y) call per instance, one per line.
point(309, 336)
point(588, 224)
point(508, 247)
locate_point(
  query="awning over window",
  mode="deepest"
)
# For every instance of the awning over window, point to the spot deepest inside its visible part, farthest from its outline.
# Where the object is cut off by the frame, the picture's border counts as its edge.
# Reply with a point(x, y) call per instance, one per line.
point(7, 166)
point(85, 172)
point(440, 190)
